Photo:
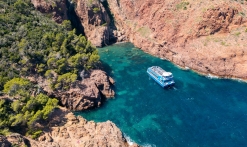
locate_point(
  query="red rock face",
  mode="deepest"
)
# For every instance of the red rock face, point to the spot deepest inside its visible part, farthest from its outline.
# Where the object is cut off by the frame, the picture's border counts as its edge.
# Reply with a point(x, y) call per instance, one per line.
point(57, 8)
point(87, 93)
point(83, 94)
point(206, 36)
point(95, 21)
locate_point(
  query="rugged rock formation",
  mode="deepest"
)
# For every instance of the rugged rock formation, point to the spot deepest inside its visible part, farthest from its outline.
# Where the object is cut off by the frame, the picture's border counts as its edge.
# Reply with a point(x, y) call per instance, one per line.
point(63, 129)
point(56, 8)
point(87, 94)
point(96, 21)
point(103, 82)
point(17, 140)
point(84, 94)
point(206, 36)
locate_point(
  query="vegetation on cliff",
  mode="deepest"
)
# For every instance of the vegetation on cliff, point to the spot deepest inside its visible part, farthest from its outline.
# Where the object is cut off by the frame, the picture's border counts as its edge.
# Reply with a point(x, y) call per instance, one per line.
point(32, 44)
point(21, 111)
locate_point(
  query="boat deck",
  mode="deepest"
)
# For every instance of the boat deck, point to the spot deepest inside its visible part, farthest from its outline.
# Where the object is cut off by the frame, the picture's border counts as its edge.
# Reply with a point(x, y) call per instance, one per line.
point(162, 77)
point(158, 70)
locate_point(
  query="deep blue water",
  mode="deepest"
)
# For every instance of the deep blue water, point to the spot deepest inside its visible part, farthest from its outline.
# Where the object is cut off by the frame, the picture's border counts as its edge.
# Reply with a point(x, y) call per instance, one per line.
point(197, 112)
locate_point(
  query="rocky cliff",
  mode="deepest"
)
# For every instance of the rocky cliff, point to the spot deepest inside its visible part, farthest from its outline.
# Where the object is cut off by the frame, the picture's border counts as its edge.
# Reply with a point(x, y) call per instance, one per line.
point(96, 21)
point(206, 36)
point(83, 94)
point(63, 129)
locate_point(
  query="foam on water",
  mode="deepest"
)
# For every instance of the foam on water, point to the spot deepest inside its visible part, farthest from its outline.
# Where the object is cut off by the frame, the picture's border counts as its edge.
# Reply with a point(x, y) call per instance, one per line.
point(212, 76)
point(149, 145)
point(128, 139)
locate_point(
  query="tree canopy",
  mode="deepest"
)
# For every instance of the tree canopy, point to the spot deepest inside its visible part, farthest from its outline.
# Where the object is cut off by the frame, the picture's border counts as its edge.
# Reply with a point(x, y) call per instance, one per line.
point(32, 44)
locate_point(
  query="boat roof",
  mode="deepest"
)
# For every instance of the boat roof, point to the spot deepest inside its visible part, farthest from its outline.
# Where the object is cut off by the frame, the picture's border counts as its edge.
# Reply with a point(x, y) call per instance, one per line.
point(161, 71)
point(166, 74)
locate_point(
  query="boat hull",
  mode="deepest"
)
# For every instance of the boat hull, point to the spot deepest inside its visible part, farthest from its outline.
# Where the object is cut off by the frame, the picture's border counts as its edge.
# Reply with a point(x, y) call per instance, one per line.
point(165, 84)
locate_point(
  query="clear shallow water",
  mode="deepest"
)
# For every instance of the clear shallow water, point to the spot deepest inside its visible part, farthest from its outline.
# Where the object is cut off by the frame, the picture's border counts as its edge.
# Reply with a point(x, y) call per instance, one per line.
point(197, 112)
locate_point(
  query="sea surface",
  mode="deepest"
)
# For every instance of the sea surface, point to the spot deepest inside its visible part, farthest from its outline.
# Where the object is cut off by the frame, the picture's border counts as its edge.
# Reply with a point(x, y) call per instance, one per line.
point(197, 112)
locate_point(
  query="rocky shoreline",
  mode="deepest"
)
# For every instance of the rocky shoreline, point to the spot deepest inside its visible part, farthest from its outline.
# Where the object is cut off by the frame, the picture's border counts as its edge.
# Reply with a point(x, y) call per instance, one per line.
point(64, 129)
point(207, 37)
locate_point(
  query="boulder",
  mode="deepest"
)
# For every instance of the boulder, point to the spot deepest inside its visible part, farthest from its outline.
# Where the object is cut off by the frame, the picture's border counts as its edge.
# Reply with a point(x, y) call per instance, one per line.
point(17, 139)
point(103, 82)
point(4, 142)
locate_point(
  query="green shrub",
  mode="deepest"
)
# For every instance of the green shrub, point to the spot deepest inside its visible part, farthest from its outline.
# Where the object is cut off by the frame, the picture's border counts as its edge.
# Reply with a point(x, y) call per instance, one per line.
point(237, 34)
point(182, 5)
point(5, 131)
point(96, 10)
point(34, 133)
point(17, 86)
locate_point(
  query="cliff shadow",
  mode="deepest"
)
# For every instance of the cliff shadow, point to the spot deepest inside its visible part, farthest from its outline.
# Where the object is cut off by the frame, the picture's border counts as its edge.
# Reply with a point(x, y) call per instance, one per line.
point(74, 19)
point(55, 119)
point(111, 27)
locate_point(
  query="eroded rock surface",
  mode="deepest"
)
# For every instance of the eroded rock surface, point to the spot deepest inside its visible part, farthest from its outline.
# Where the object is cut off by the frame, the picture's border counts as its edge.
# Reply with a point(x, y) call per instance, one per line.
point(79, 132)
point(57, 8)
point(84, 94)
point(96, 22)
point(103, 82)
point(75, 131)
point(206, 36)
point(63, 129)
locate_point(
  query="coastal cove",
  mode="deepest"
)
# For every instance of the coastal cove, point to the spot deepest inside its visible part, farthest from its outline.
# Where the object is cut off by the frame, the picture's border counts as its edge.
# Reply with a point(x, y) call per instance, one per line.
point(197, 111)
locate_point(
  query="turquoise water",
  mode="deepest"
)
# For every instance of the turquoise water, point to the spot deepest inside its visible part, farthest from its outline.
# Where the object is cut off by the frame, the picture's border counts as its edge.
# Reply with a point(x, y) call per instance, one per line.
point(198, 111)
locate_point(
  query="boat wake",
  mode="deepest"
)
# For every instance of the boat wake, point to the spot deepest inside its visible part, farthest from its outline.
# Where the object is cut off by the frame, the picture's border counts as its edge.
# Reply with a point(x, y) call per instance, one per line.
point(174, 88)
